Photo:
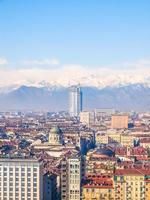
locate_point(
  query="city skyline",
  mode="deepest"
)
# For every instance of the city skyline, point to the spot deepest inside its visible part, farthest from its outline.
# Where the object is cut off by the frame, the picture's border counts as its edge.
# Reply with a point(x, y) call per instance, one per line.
point(74, 100)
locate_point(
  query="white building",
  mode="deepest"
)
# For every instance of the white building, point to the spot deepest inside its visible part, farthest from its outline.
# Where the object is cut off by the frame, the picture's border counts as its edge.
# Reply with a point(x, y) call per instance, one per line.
point(21, 179)
point(75, 101)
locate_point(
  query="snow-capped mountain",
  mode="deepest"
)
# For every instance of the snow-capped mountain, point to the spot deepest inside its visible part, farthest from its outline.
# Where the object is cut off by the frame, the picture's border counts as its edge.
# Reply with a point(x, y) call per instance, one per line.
point(45, 96)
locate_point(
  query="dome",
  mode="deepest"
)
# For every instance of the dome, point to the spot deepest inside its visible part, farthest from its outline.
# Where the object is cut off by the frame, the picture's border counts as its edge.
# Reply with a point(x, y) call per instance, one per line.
point(55, 130)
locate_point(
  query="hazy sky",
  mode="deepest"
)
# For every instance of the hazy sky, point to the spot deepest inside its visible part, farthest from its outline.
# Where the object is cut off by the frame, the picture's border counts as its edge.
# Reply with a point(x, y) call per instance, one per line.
point(50, 34)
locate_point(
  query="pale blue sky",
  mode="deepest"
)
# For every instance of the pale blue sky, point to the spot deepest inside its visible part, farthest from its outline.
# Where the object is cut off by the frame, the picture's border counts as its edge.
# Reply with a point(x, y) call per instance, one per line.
point(86, 32)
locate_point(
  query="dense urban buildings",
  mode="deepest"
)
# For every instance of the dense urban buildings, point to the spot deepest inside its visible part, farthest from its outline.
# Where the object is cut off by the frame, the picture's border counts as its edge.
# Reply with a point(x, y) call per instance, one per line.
point(54, 156)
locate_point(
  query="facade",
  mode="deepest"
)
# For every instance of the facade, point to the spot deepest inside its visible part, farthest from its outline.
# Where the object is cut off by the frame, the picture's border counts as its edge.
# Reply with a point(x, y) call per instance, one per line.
point(21, 179)
point(132, 184)
point(75, 101)
point(99, 188)
point(71, 174)
point(127, 140)
point(101, 138)
point(119, 121)
point(87, 117)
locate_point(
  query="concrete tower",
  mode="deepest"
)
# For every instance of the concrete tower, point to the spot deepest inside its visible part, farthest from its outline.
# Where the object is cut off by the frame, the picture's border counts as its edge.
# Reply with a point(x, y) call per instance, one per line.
point(75, 101)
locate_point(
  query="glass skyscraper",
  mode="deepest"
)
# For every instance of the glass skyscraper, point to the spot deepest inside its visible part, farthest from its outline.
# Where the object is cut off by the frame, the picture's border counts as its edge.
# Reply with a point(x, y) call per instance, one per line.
point(75, 101)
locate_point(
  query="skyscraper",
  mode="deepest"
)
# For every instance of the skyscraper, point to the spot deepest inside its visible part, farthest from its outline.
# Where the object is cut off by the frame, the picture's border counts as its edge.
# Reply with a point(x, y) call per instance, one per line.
point(75, 101)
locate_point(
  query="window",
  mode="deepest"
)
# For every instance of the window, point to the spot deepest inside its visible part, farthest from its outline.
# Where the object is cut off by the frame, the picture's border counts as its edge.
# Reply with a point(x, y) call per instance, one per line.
point(34, 194)
point(34, 179)
point(35, 174)
point(5, 169)
point(11, 194)
point(35, 169)
point(5, 194)
point(34, 189)
point(34, 184)
point(22, 184)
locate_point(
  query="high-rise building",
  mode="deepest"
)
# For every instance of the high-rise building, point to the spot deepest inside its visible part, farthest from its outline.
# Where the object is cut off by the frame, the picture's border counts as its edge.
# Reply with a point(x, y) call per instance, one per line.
point(75, 101)
point(71, 175)
point(21, 179)
point(119, 121)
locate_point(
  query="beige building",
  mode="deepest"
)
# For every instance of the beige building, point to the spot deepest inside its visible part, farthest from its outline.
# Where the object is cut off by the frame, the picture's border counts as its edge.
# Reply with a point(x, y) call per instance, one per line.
point(21, 179)
point(87, 117)
point(119, 121)
point(99, 189)
point(132, 184)
point(127, 140)
point(101, 138)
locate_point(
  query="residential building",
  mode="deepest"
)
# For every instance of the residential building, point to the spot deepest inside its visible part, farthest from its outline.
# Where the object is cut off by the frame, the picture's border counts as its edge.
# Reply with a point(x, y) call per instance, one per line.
point(21, 178)
point(71, 175)
point(98, 188)
point(130, 184)
point(119, 121)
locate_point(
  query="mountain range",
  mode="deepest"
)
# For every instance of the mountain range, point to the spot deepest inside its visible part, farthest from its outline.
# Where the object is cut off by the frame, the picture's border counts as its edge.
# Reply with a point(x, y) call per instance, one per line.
point(56, 98)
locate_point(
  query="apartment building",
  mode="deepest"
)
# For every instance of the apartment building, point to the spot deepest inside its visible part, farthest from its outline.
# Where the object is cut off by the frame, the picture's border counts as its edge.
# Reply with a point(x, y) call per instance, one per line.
point(20, 179)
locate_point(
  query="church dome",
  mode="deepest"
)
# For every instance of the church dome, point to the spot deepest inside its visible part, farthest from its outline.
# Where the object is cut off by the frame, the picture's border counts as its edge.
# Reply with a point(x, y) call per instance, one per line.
point(55, 136)
point(55, 130)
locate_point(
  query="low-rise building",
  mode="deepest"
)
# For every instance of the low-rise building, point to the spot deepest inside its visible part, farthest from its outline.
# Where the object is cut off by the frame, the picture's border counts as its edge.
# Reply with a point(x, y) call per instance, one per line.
point(98, 188)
